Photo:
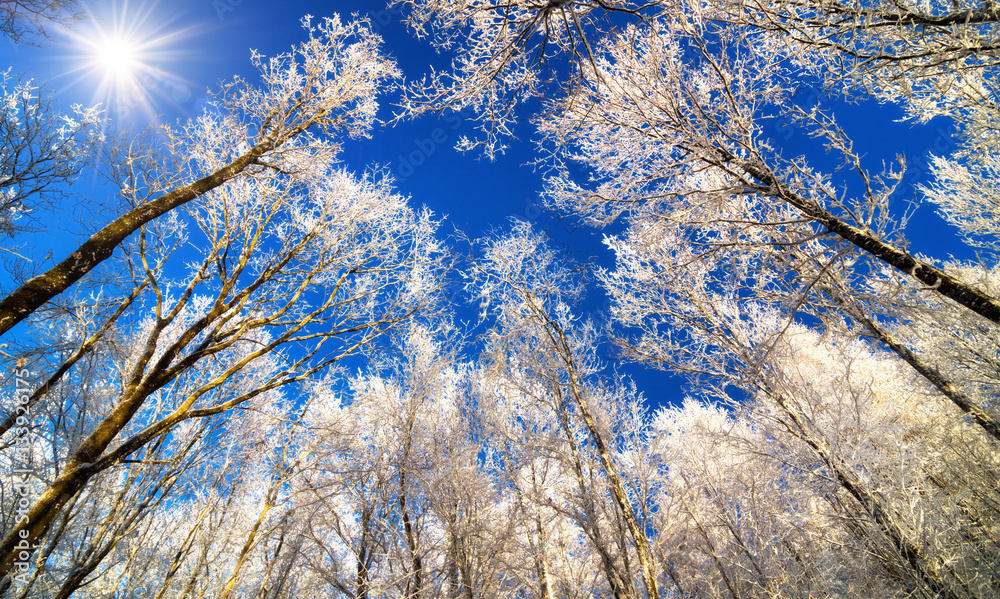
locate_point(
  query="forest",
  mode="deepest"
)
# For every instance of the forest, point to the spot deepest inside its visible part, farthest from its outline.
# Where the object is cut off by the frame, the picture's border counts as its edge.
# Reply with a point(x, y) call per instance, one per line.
point(254, 376)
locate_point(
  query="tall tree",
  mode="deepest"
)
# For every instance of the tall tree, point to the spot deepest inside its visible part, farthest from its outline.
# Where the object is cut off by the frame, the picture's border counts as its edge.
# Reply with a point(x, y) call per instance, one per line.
point(325, 87)
point(669, 126)
point(42, 151)
point(297, 272)
point(521, 279)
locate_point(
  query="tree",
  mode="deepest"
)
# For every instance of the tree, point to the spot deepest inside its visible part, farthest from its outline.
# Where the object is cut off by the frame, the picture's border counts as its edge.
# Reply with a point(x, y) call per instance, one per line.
point(301, 266)
point(663, 135)
point(393, 496)
point(326, 86)
point(901, 305)
point(935, 58)
point(225, 529)
point(510, 52)
point(668, 126)
point(24, 21)
point(841, 406)
point(42, 151)
point(967, 194)
point(523, 279)
point(196, 432)
point(607, 107)
point(875, 422)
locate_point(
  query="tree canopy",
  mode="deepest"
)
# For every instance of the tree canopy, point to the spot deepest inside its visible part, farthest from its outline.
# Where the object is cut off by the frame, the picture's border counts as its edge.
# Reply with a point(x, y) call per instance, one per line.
point(258, 378)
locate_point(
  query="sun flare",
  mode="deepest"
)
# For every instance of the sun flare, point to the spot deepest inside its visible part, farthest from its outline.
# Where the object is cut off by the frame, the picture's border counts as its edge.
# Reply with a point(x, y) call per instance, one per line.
point(126, 53)
point(116, 56)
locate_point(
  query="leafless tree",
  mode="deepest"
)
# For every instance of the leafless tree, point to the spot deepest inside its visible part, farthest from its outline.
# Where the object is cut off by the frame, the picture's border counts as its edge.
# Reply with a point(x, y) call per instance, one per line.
point(29, 21)
point(42, 152)
point(310, 258)
point(280, 124)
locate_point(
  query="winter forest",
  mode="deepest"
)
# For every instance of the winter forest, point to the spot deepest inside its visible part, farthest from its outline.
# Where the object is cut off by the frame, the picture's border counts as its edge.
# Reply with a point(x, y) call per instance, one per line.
point(261, 374)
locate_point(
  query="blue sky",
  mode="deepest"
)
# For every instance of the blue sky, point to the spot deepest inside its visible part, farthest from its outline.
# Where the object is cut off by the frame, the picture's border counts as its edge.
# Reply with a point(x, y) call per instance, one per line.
point(193, 45)
point(206, 42)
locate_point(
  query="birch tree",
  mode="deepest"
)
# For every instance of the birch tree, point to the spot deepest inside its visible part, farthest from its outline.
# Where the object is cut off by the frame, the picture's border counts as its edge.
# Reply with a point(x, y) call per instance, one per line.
point(556, 518)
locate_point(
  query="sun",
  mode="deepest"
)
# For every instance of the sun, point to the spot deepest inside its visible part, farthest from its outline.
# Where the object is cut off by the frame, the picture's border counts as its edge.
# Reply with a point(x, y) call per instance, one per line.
point(125, 54)
point(118, 57)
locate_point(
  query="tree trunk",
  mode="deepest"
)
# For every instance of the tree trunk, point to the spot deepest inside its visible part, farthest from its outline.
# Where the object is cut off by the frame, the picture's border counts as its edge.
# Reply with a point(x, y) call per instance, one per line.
point(965, 403)
point(933, 277)
point(36, 291)
point(871, 504)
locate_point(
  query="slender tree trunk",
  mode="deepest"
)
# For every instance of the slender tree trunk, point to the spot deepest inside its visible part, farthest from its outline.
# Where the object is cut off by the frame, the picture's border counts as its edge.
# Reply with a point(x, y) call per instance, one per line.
point(871, 504)
point(183, 552)
point(537, 541)
point(935, 278)
point(248, 546)
point(965, 403)
point(560, 344)
point(617, 488)
point(541, 563)
point(263, 589)
point(36, 291)
point(713, 552)
point(415, 582)
point(589, 521)
point(452, 568)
